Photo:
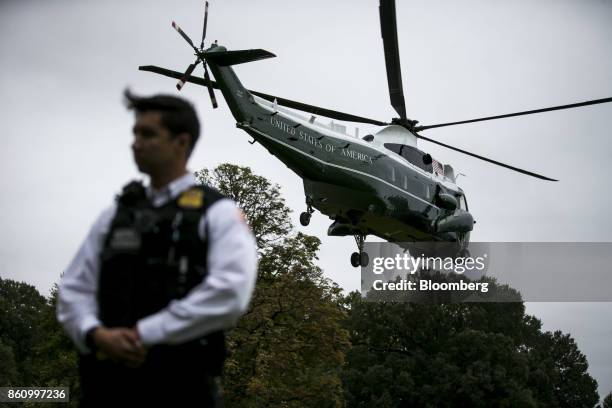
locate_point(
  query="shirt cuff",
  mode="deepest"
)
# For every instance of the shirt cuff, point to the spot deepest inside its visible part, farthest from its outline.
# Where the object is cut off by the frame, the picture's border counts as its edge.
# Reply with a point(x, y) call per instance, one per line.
point(150, 329)
point(88, 323)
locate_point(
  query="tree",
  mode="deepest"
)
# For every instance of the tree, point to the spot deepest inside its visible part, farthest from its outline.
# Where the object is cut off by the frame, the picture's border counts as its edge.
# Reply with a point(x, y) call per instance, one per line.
point(288, 350)
point(8, 369)
point(607, 402)
point(565, 368)
point(34, 351)
point(56, 353)
point(260, 200)
point(460, 354)
point(21, 307)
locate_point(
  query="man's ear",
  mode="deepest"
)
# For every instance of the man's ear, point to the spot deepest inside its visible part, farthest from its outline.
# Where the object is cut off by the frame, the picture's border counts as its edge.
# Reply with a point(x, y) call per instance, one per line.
point(184, 140)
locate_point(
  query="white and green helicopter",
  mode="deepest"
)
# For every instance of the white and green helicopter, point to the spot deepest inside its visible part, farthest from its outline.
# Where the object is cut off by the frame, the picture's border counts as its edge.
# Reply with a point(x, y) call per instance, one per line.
point(380, 184)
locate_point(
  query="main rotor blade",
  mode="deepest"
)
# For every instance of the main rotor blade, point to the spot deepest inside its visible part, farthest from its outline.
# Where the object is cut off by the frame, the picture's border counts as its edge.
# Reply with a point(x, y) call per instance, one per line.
point(186, 75)
point(185, 36)
point(315, 110)
point(388, 28)
point(205, 22)
point(211, 93)
point(529, 173)
point(509, 115)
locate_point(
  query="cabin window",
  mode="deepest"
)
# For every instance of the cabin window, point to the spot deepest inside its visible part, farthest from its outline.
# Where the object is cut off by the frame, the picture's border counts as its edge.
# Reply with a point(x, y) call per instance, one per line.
point(392, 173)
point(412, 154)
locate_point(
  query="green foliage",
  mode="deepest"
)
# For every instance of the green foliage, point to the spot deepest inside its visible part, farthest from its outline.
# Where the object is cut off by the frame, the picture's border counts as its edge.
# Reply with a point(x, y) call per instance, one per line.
point(288, 350)
point(565, 369)
point(21, 308)
point(607, 402)
point(260, 201)
point(460, 354)
point(57, 351)
point(8, 369)
point(34, 350)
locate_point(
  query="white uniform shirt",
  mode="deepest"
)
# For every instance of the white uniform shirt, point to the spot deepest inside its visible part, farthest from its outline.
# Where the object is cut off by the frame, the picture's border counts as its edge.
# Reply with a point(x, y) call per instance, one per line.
point(215, 304)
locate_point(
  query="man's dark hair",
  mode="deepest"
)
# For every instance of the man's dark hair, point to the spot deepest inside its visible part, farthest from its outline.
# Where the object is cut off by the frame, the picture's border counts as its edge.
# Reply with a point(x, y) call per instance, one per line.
point(178, 115)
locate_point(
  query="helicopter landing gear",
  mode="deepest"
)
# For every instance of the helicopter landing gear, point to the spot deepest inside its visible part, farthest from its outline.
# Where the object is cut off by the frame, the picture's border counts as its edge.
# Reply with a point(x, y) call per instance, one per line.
point(463, 239)
point(360, 258)
point(305, 216)
point(463, 253)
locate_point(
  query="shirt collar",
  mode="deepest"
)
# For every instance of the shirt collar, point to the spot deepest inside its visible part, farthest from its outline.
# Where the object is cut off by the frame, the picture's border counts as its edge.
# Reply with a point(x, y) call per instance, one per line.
point(171, 190)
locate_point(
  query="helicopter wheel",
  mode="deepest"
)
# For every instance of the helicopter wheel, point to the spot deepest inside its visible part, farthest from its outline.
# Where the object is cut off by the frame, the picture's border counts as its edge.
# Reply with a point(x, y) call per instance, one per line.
point(364, 259)
point(355, 259)
point(305, 218)
point(360, 258)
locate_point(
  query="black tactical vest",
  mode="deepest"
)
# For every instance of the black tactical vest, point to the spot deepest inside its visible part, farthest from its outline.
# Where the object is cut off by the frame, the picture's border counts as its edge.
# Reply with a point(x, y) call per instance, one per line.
point(152, 256)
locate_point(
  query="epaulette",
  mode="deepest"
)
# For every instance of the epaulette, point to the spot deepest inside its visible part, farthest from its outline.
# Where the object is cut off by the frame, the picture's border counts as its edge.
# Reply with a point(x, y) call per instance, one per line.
point(199, 197)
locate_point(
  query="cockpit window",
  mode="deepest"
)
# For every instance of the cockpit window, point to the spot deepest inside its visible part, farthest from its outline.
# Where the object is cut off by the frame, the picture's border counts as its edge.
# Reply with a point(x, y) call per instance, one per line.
point(462, 202)
point(412, 154)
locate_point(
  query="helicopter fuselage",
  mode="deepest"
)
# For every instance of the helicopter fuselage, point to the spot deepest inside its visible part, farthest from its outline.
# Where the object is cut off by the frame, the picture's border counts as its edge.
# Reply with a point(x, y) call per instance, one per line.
point(362, 185)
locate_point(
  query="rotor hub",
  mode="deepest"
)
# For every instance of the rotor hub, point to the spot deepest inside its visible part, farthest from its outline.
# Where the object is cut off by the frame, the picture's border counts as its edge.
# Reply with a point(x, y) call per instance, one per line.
point(405, 122)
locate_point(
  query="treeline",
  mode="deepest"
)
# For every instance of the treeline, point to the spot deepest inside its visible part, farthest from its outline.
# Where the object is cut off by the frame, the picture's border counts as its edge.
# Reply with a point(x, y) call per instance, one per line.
point(304, 344)
point(34, 351)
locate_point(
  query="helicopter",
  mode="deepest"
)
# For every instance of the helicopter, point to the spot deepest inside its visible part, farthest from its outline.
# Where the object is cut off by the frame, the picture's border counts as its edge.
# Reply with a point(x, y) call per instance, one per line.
point(378, 184)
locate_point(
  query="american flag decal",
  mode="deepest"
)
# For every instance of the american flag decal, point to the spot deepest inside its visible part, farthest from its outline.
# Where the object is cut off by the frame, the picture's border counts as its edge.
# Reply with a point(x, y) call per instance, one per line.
point(438, 168)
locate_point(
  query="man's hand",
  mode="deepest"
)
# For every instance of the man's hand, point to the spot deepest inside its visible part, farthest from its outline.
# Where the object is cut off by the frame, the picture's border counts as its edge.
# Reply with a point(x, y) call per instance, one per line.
point(120, 344)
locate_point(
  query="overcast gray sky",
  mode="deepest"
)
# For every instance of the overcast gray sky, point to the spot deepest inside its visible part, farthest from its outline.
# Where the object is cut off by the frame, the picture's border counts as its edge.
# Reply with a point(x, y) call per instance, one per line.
point(66, 135)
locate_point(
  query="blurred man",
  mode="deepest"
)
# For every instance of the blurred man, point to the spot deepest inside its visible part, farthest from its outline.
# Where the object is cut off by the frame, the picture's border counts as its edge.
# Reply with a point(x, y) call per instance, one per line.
point(160, 275)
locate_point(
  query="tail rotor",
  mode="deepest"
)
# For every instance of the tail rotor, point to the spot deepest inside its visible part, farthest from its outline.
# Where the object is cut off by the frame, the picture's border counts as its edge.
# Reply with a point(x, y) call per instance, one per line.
point(205, 24)
point(199, 53)
point(188, 72)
